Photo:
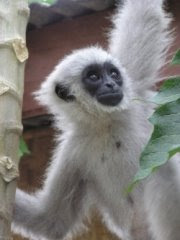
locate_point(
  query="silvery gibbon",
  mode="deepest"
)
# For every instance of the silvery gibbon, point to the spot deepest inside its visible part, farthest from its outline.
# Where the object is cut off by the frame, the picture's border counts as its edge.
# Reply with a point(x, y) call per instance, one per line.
point(91, 94)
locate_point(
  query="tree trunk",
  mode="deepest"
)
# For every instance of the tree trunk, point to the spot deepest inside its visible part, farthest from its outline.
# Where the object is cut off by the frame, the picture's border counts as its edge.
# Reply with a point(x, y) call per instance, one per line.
point(13, 53)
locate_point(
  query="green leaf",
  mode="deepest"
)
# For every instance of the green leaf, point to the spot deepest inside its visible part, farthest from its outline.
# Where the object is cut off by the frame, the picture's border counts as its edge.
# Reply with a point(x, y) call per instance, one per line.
point(176, 58)
point(170, 91)
point(23, 149)
point(44, 2)
point(165, 140)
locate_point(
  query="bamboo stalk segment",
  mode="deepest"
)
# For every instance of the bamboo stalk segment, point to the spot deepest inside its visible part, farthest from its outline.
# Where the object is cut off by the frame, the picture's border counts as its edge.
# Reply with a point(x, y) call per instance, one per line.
point(13, 53)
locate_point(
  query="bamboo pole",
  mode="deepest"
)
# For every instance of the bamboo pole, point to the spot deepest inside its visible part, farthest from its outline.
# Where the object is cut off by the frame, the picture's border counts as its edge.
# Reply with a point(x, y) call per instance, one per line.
point(13, 53)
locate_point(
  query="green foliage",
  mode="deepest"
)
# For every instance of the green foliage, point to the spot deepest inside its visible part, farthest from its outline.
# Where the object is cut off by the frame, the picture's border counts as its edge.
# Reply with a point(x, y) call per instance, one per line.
point(170, 91)
point(45, 2)
point(176, 59)
point(165, 139)
point(23, 149)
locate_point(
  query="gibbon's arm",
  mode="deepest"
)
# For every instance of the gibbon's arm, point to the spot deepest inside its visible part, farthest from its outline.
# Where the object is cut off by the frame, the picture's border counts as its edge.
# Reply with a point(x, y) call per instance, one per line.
point(140, 39)
point(54, 210)
point(162, 201)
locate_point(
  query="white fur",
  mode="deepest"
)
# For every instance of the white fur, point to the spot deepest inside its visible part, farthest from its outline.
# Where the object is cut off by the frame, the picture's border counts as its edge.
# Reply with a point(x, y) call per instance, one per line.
point(162, 201)
point(97, 154)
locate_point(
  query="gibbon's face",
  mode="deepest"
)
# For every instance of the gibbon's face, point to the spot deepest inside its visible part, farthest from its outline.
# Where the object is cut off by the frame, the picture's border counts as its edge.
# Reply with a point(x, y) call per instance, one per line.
point(102, 81)
point(89, 79)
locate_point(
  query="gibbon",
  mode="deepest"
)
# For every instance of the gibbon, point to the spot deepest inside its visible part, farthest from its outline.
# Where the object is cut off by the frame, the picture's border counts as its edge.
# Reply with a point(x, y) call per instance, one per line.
point(91, 95)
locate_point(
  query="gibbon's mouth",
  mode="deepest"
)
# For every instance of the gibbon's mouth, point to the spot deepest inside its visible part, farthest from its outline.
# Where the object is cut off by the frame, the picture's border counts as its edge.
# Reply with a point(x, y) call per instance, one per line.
point(110, 99)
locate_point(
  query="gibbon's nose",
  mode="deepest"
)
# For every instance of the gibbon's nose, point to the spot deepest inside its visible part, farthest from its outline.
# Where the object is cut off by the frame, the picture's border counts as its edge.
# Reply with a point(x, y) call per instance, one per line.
point(110, 85)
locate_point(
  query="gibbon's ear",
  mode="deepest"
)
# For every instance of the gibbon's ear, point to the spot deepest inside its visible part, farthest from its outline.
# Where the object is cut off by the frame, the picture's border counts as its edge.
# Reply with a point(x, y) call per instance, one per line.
point(64, 93)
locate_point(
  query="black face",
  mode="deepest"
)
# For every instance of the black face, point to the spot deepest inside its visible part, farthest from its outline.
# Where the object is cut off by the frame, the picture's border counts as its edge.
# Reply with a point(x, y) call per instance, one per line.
point(104, 82)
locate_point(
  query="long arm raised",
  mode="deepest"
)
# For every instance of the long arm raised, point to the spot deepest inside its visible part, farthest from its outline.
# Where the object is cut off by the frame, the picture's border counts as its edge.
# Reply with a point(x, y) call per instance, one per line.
point(140, 39)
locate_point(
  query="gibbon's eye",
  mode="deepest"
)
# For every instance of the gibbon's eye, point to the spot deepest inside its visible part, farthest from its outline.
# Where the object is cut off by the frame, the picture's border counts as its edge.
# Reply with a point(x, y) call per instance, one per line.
point(114, 73)
point(63, 93)
point(92, 75)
